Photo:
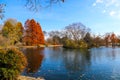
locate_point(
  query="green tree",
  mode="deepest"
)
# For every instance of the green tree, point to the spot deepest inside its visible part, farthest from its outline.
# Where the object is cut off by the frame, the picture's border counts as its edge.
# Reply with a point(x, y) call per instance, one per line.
point(88, 39)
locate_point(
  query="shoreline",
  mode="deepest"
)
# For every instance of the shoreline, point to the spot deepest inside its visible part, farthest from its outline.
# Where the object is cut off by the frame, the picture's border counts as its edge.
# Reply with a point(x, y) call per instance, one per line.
point(40, 46)
point(29, 78)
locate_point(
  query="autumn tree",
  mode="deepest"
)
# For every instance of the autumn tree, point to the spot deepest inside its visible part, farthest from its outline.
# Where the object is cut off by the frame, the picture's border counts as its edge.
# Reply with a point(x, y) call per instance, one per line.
point(110, 39)
point(107, 39)
point(12, 30)
point(118, 38)
point(3, 41)
point(113, 39)
point(33, 34)
point(97, 41)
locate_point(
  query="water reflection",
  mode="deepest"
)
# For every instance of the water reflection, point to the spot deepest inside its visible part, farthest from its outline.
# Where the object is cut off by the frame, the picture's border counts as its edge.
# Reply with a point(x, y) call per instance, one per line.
point(104, 54)
point(34, 57)
point(76, 60)
point(66, 64)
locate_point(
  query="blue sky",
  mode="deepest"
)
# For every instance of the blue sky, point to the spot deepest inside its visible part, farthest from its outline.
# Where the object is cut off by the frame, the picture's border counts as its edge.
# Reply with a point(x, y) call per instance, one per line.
point(100, 16)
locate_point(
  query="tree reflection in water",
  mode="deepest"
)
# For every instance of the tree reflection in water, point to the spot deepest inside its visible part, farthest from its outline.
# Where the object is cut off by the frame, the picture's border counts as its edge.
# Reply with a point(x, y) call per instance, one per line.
point(34, 57)
point(72, 64)
point(76, 60)
point(73, 60)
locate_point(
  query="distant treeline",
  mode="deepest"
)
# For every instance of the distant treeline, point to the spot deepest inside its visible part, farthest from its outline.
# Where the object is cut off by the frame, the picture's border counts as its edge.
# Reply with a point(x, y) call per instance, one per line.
point(75, 35)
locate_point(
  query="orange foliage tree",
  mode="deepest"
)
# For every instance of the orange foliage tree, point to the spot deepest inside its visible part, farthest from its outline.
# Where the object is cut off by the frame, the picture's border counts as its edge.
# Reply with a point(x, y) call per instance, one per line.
point(33, 34)
point(113, 39)
point(107, 39)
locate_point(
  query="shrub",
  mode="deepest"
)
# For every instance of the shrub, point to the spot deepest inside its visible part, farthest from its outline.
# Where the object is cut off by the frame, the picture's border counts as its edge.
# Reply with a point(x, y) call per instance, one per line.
point(3, 41)
point(12, 63)
point(83, 44)
point(72, 44)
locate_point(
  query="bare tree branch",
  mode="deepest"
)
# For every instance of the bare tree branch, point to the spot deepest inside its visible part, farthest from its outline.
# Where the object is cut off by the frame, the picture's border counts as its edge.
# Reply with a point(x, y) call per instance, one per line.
point(76, 31)
point(35, 5)
point(2, 10)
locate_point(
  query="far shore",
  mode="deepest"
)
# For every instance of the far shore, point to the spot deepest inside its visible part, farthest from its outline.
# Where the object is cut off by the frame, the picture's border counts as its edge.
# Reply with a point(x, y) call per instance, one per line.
point(41, 46)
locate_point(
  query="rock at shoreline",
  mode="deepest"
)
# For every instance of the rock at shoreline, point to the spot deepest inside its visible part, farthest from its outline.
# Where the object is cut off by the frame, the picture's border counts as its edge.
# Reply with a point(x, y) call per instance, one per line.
point(29, 78)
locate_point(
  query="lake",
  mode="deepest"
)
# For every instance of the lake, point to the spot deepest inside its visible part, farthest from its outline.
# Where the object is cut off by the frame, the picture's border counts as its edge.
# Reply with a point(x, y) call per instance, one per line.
point(71, 64)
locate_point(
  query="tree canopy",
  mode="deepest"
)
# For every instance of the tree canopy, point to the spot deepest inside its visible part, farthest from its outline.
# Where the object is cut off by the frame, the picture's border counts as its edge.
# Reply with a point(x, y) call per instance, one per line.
point(12, 30)
point(33, 34)
point(76, 31)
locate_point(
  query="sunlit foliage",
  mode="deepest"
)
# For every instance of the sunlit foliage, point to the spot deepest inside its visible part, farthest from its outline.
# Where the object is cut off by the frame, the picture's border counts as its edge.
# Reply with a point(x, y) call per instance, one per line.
point(13, 31)
point(3, 41)
point(12, 63)
point(33, 34)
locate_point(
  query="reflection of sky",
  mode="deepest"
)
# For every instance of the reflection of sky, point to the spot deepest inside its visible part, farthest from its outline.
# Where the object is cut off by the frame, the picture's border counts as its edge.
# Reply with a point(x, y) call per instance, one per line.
point(105, 62)
point(116, 74)
point(101, 56)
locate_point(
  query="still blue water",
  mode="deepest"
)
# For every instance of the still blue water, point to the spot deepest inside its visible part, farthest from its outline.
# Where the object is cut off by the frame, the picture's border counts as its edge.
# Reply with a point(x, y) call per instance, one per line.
point(71, 64)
